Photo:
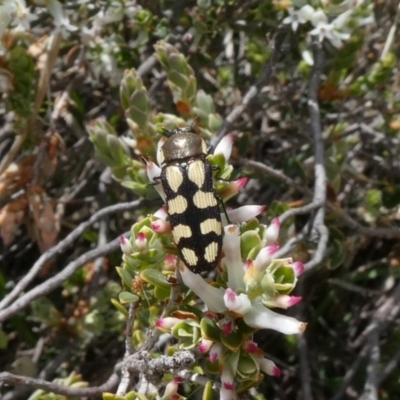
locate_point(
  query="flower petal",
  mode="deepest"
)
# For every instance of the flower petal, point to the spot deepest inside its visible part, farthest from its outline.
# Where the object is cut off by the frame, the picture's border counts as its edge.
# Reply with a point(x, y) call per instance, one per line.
point(225, 146)
point(232, 260)
point(272, 232)
point(263, 318)
point(244, 213)
point(213, 297)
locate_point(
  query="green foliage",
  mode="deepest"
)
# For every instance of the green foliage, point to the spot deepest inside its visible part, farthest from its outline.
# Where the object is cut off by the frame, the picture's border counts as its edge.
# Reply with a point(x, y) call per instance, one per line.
point(22, 67)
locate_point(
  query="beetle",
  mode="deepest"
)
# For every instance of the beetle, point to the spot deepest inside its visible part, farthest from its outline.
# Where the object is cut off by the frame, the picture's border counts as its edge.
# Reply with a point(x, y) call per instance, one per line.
point(192, 203)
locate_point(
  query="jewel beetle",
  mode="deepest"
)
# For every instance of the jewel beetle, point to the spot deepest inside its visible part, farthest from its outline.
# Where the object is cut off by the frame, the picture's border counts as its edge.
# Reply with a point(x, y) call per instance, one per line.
point(193, 208)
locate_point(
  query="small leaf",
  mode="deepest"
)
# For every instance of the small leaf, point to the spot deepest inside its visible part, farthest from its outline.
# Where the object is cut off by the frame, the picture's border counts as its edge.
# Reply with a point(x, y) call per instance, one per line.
point(155, 277)
point(127, 298)
point(249, 245)
point(119, 307)
point(233, 341)
point(208, 391)
point(125, 276)
point(210, 329)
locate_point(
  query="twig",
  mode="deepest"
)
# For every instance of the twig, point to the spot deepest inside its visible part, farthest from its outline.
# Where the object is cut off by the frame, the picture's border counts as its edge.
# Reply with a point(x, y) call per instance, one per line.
point(12, 379)
point(57, 280)
point(61, 246)
point(384, 315)
point(390, 36)
point(103, 231)
point(319, 167)
point(125, 382)
point(304, 352)
point(351, 372)
point(258, 166)
point(371, 384)
point(252, 92)
point(22, 392)
point(390, 367)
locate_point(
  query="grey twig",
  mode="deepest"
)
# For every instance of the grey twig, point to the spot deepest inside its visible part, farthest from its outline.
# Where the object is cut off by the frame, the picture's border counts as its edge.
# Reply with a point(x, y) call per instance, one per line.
point(319, 154)
point(125, 382)
point(371, 384)
point(12, 379)
point(57, 280)
point(60, 247)
point(253, 91)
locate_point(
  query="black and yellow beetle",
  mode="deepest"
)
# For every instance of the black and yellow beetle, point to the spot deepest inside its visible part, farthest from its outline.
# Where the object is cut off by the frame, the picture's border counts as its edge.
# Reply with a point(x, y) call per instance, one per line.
point(193, 210)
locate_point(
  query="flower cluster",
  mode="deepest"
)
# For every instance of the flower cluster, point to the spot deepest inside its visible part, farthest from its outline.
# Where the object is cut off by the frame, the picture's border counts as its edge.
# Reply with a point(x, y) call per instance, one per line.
point(250, 282)
point(323, 28)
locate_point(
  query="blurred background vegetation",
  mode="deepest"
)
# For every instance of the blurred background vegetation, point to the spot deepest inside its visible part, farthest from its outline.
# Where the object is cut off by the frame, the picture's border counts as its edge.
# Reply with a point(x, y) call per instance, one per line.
point(71, 138)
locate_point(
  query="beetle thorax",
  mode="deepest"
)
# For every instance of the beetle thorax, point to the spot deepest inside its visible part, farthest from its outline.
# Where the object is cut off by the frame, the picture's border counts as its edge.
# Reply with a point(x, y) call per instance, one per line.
point(183, 146)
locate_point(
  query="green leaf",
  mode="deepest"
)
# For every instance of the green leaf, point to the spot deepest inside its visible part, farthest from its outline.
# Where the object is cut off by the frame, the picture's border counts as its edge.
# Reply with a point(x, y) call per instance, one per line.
point(119, 307)
point(161, 293)
point(155, 277)
point(208, 391)
point(210, 329)
point(125, 276)
point(178, 79)
point(249, 245)
point(127, 298)
point(233, 341)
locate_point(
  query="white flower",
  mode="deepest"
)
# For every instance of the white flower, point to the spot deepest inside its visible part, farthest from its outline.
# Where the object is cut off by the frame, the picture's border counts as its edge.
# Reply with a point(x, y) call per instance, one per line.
point(329, 31)
point(325, 30)
point(239, 304)
point(297, 17)
point(21, 16)
point(61, 21)
point(255, 314)
point(318, 17)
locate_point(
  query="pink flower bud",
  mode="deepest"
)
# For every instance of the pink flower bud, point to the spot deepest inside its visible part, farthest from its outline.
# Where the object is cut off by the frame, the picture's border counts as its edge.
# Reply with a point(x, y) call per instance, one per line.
point(205, 346)
point(298, 268)
point(232, 188)
point(215, 352)
point(141, 241)
point(239, 304)
point(269, 367)
point(167, 322)
point(251, 347)
point(126, 246)
point(161, 226)
point(285, 301)
point(227, 391)
point(227, 326)
point(272, 232)
point(264, 257)
point(171, 389)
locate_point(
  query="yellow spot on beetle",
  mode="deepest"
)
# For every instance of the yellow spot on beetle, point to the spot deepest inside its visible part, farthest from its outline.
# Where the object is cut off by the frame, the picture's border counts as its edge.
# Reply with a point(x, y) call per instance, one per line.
point(211, 225)
point(174, 177)
point(178, 205)
point(196, 172)
point(204, 199)
point(181, 231)
point(189, 256)
point(211, 252)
